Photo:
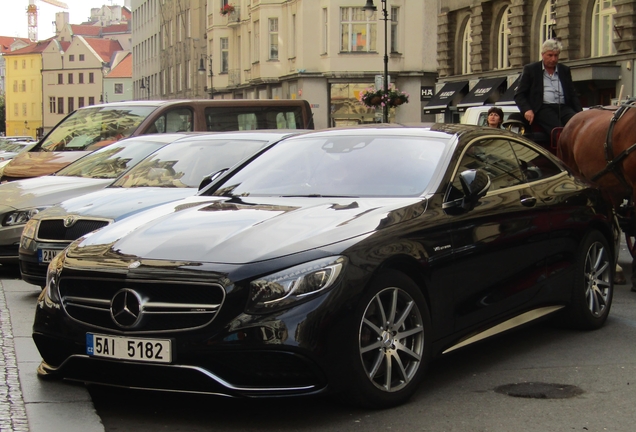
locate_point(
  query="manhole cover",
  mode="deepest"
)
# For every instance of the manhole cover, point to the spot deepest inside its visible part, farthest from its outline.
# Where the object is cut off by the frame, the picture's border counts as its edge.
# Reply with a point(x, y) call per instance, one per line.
point(539, 390)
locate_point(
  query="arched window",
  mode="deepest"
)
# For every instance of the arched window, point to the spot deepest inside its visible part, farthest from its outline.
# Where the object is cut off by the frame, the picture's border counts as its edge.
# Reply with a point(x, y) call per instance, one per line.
point(548, 22)
point(466, 49)
point(503, 40)
point(602, 28)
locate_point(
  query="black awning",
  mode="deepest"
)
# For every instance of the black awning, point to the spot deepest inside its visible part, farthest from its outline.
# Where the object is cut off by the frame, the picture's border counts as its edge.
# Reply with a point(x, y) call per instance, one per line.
point(449, 94)
point(487, 90)
point(508, 97)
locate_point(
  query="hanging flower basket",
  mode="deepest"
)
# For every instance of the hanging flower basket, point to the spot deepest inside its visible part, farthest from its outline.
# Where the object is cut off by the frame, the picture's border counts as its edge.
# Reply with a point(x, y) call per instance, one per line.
point(228, 8)
point(372, 98)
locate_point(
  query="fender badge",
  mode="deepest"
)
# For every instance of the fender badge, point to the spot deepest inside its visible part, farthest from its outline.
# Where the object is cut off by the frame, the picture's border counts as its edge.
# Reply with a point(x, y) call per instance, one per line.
point(134, 265)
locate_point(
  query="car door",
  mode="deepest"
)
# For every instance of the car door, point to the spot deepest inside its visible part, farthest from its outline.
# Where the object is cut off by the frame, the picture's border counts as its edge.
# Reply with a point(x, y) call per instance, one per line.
point(499, 246)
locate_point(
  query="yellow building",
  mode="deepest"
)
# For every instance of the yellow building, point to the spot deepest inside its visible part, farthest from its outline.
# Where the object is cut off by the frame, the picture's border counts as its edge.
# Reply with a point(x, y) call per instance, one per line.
point(24, 90)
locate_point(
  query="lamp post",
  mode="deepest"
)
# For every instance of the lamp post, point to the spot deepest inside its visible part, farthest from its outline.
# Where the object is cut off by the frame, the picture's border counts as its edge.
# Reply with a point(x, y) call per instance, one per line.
point(201, 71)
point(369, 9)
point(145, 85)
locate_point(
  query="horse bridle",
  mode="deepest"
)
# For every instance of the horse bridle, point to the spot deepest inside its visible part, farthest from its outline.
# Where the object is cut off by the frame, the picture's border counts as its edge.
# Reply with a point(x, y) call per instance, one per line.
point(613, 162)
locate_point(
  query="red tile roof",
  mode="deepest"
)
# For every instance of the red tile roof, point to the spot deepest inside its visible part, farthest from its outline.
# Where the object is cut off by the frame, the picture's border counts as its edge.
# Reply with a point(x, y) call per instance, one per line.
point(34, 48)
point(115, 28)
point(85, 30)
point(6, 41)
point(104, 47)
point(123, 69)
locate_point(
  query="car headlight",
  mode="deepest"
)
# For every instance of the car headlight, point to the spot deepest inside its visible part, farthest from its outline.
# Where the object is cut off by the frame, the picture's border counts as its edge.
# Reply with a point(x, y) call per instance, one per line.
point(280, 289)
point(30, 228)
point(52, 277)
point(20, 217)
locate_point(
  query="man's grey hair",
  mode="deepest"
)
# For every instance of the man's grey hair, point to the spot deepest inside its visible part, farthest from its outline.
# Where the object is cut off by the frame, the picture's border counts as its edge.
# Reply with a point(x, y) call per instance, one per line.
point(551, 45)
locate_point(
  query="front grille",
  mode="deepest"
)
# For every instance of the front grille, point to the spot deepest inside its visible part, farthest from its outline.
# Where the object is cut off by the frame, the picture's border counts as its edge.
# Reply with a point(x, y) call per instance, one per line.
point(166, 306)
point(54, 229)
point(33, 268)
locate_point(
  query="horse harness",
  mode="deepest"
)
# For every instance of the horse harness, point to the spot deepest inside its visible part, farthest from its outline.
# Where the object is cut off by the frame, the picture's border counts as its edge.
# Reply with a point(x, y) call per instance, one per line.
point(613, 162)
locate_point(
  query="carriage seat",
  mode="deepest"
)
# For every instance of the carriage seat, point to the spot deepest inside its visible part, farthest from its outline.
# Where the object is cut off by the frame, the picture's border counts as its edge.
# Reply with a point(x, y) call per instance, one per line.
point(517, 123)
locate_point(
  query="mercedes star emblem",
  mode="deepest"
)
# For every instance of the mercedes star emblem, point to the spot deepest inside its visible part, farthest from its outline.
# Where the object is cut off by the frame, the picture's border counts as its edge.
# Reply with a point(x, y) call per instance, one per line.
point(126, 308)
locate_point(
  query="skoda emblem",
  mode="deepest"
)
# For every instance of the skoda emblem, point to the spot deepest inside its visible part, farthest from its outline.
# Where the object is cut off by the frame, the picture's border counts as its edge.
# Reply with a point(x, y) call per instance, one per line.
point(69, 221)
point(126, 308)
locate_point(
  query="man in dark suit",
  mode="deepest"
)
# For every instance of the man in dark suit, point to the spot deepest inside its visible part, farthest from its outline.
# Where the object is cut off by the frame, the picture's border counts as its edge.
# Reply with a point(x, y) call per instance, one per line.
point(546, 93)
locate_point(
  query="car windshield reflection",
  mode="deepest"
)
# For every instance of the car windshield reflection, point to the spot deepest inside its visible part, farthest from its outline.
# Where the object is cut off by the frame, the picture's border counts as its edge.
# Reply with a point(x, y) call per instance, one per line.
point(349, 166)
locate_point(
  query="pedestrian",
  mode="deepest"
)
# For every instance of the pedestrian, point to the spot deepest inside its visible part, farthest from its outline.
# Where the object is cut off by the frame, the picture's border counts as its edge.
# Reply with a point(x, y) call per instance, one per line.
point(495, 117)
point(546, 93)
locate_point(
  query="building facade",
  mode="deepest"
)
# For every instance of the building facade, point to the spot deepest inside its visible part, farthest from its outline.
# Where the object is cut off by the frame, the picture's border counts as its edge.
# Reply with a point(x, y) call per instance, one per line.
point(483, 46)
point(324, 51)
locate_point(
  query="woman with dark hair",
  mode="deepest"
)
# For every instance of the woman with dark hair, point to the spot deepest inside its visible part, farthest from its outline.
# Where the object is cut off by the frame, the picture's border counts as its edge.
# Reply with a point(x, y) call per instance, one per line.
point(495, 117)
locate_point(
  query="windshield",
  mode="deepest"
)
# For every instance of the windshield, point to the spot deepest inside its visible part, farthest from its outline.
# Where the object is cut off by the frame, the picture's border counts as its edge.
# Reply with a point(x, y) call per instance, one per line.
point(185, 164)
point(112, 161)
point(95, 127)
point(385, 166)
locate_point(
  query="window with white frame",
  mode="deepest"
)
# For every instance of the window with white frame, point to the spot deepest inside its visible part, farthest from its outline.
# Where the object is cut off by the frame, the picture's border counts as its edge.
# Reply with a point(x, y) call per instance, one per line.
point(292, 49)
point(171, 32)
point(189, 74)
point(171, 71)
point(179, 77)
point(325, 30)
point(179, 27)
point(119, 88)
point(548, 22)
point(503, 40)
point(603, 28)
point(395, 12)
point(225, 54)
point(466, 47)
point(273, 38)
point(188, 24)
point(358, 34)
point(257, 41)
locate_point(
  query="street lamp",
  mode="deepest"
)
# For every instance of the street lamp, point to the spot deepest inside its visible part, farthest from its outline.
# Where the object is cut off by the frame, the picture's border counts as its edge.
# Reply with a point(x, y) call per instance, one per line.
point(369, 9)
point(145, 84)
point(201, 71)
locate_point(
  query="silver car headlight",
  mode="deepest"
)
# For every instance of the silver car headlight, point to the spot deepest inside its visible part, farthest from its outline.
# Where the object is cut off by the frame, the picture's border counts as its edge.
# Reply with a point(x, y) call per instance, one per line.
point(30, 229)
point(20, 217)
point(53, 276)
point(283, 288)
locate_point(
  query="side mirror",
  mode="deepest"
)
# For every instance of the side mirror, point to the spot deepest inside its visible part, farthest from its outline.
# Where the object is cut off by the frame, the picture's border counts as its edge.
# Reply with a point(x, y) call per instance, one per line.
point(211, 177)
point(475, 184)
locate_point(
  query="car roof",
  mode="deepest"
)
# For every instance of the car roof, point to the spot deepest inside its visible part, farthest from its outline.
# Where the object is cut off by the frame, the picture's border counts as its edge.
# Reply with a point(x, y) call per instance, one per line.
point(204, 102)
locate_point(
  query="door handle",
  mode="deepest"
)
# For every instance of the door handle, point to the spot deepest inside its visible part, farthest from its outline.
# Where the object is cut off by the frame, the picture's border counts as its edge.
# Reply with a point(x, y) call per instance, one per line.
point(528, 201)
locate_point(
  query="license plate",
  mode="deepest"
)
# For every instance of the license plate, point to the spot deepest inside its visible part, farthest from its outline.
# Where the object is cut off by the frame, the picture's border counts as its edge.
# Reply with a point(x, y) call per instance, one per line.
point(46, 255)
point(125, 348)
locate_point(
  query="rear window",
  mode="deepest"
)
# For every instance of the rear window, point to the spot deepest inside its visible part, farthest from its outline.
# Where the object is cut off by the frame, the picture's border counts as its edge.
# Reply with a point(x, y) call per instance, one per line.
point(252, 118)
point(95, 127)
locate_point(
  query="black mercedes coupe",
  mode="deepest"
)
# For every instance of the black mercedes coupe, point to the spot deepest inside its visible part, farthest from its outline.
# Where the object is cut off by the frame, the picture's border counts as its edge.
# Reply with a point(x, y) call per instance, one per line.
point(337, 261)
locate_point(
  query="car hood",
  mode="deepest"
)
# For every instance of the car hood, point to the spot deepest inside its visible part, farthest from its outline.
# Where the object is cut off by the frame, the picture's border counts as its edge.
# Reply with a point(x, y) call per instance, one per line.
point(35, 164)
point(44, 191)
point(205, 229)
point(117, 203)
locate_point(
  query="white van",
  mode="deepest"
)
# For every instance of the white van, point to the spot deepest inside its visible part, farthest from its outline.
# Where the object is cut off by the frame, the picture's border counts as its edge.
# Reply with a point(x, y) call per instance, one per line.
point(479, 114)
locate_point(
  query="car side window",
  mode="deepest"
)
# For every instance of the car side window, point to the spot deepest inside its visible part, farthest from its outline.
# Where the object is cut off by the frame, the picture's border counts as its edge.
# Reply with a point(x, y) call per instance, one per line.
point(176, 120)
point(496, 158)
point(534, 165)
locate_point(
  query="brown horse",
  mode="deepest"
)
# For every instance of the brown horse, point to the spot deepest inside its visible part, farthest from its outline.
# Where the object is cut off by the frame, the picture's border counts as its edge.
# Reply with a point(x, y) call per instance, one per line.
point(597, 144)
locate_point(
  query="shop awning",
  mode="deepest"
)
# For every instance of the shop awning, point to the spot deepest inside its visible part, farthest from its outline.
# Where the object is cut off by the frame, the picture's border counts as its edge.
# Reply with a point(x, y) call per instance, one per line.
point(487, 90)
point(451, 93)
point(508, 97)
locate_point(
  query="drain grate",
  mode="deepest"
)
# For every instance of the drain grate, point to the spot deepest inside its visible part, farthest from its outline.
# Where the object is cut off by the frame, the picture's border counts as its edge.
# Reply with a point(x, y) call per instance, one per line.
point(538, 390)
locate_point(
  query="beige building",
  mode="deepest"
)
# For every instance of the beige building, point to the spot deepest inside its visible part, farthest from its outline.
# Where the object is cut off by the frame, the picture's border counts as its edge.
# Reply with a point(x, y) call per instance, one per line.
point(324, 51)
point(483, 46)
point(72, 75)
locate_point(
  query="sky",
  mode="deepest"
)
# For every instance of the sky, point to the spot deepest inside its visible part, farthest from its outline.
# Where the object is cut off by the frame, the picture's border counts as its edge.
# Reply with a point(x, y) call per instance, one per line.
point(14, 22)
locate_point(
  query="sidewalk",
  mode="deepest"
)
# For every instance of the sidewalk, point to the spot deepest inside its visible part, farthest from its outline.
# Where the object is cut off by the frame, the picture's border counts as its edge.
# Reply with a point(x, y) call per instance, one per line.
point(28, 404)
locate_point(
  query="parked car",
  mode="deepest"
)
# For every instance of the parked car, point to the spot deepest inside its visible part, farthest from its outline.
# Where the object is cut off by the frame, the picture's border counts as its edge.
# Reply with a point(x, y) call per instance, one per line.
point(10, 149)
point(341, 260)
point(169, 174)
point(22, 199)
point(90, 128)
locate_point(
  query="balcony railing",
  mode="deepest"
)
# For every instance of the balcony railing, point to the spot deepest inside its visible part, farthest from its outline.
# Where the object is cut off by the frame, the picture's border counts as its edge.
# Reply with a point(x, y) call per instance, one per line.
point(234, 17)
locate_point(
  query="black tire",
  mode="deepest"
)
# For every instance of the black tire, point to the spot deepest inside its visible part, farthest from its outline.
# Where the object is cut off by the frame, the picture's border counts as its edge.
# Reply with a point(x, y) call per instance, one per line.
point(593, 287)
point(389, 331)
